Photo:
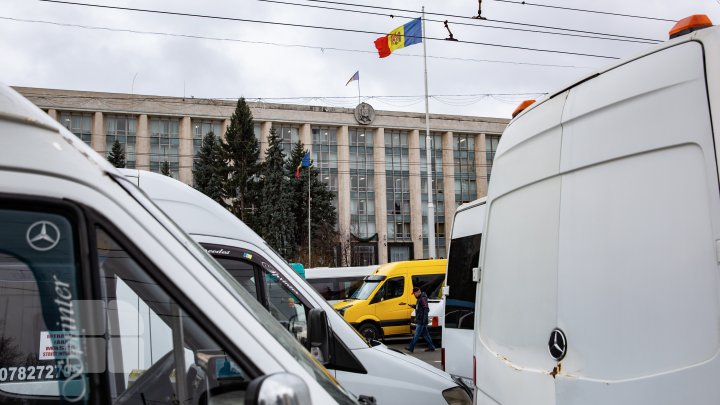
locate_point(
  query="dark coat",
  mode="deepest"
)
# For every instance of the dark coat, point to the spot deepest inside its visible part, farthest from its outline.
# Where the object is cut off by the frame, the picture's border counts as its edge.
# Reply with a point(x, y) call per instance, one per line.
point(421, 309)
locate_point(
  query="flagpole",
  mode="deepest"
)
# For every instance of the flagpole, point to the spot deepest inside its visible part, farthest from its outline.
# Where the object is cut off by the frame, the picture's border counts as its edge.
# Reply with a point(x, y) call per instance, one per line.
point(428, 148)
point(358, 80)
point(309, 238)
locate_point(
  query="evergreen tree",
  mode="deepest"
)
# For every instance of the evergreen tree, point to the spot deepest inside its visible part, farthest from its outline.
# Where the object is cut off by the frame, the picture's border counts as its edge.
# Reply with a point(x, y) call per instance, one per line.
point(322, 212)
point(241, 154)
point(276, 219)
point(209, 170)
point(117, 155)
point(165, 169)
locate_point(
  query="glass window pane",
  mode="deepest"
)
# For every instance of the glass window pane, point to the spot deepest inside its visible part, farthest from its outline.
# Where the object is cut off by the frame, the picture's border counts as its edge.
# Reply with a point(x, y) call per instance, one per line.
point(43, 339)
point(143, 324)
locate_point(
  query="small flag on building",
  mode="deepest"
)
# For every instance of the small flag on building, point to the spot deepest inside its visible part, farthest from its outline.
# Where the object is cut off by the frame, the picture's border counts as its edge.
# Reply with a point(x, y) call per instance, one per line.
point(400, 37)
point(356, 76)
point(305, 162)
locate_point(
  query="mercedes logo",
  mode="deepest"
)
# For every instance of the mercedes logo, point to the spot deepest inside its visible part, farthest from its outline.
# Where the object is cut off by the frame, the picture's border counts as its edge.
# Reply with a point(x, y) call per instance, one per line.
point(557, 344)
point(43, 236)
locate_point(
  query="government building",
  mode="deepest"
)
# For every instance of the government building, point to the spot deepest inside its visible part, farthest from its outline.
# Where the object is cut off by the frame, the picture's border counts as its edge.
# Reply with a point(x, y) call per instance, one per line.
point(375, 161)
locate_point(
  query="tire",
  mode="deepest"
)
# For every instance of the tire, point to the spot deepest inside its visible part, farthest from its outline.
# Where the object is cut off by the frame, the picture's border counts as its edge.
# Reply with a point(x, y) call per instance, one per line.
point(370, 331)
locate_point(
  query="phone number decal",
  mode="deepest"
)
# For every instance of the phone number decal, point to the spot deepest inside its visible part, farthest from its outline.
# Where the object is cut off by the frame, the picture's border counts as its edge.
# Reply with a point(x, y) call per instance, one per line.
point(33, 373)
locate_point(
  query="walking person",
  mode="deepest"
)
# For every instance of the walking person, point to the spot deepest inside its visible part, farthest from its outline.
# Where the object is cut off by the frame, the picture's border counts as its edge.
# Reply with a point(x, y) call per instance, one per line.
point(421, 321)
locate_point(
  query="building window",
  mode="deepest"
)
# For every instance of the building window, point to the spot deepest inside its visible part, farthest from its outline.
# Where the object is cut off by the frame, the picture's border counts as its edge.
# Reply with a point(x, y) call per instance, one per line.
point(397, 186)
point(165, 144)
point(325, 157)
point(79, 124)
point(438, 192)
point(288, 135)
point(362, 183)
point(122, 128)
point(364, 254)
point(202, 128)
point(398, 252)
point(465, 178)
point(491, 144)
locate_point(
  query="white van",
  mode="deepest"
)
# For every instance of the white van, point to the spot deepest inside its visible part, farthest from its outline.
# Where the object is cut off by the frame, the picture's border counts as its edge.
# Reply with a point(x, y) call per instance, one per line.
point(337, 283)
point(599, 277)
point(364, 368)
point(104, 300)
point(459, 291)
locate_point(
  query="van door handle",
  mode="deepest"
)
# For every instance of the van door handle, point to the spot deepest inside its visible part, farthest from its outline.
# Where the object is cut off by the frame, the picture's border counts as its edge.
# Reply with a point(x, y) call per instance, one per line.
point(402, 303)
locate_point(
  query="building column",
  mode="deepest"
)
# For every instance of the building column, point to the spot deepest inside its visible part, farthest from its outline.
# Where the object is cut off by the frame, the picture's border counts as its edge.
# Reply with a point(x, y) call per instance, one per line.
point(343, 146)
point(380, 194)
point(185, 151)
point(264, 136)
point(306, 137)
point(142, 146)
point(416, 230)
point(224, 128)
point(448, 144)
point(97, 138)
point(481, 168)
point(53, 114)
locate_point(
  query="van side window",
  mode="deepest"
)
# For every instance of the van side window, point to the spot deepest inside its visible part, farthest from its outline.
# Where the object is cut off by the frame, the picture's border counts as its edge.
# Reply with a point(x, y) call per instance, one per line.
point(156, 352)
point(282, 303)
point(285, 306)
point(393, 288)
point(430, 284)
point(460, 302)
point(242, 271)
point(41, 351)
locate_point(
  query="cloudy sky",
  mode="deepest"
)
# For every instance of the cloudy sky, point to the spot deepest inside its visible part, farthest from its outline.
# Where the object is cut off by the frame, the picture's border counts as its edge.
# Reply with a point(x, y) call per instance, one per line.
point(70, 46)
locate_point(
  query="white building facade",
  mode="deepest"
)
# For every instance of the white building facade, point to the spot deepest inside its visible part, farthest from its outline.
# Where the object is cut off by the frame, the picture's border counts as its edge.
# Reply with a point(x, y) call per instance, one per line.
point(375, 161)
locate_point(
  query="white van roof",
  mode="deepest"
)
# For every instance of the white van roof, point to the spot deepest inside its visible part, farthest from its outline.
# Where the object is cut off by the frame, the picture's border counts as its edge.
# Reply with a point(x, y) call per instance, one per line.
point(613, 65)
point(191, 209)
point(57, 151)
point(333, 272)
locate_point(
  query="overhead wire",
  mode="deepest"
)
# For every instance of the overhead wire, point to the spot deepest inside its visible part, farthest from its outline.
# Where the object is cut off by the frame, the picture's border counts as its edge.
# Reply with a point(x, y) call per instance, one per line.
point(174, 13)
point(132, 98)
point(459, 23)
point(317, 47)
point(525, 3)
point(472, 18)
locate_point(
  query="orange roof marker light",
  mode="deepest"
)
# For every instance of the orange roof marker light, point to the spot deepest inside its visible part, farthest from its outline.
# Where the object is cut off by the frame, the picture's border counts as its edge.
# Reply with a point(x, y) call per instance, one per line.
point(690, 24)
point(525, 104)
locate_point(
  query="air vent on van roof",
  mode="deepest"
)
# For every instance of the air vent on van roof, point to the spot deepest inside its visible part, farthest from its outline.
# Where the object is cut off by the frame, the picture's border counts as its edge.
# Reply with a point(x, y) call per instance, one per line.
point(689, 24)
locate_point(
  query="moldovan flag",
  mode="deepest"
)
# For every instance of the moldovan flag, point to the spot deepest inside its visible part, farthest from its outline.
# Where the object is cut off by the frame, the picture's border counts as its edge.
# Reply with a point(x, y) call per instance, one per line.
point(400, 37)
point(305, 162)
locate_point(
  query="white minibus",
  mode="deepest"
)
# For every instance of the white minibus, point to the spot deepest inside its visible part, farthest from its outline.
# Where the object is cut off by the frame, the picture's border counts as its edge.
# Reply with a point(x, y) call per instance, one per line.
point(103, 299)
point(364, 368)
point(459, 291)
point(599, 269)
point(337, 283)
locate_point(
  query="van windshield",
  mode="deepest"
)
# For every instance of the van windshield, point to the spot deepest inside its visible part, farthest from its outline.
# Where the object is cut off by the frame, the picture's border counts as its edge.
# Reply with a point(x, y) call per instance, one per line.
point(365, 290)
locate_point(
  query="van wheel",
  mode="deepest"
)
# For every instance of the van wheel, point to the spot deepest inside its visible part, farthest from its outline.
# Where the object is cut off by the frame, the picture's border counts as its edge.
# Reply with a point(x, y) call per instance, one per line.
point(369, 331)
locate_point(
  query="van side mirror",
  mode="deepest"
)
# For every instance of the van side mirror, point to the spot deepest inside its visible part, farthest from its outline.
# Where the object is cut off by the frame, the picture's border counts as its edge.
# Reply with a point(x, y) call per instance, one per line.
point(319, 335)
point(279, 388)
point(476, 274)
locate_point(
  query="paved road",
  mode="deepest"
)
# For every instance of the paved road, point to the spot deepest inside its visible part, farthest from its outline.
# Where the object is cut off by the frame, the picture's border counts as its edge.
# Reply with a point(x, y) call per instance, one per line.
point(400, 343)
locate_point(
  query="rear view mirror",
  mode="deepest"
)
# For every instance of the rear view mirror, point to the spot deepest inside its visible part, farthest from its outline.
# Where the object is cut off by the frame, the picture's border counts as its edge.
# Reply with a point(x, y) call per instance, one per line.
point(279, 388)
point(318, 341)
